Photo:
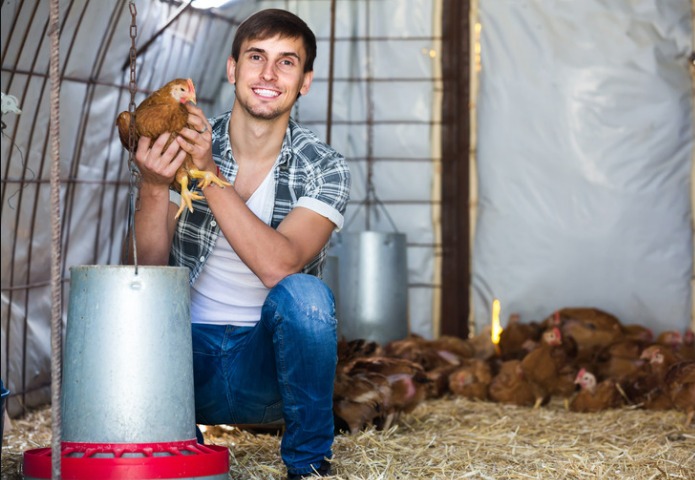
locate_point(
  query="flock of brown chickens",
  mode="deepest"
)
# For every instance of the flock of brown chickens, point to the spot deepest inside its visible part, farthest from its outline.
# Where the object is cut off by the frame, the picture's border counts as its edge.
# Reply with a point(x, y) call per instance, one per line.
point(584, 356)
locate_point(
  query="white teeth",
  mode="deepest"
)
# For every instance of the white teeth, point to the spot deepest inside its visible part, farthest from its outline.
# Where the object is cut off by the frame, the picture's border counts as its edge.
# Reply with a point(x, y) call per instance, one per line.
point(266, 93)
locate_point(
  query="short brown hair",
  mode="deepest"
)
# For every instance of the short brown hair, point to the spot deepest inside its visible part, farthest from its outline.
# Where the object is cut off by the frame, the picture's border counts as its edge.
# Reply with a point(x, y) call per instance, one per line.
point(270, 22)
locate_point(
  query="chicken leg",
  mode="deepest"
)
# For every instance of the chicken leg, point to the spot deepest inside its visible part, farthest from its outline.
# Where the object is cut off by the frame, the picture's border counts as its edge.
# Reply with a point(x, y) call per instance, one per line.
point(207, 178)
point(187, 196)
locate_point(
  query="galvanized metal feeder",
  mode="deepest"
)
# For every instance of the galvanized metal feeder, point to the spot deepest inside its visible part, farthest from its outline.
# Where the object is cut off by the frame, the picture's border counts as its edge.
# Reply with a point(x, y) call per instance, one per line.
point(128, 400)
point(371, 285)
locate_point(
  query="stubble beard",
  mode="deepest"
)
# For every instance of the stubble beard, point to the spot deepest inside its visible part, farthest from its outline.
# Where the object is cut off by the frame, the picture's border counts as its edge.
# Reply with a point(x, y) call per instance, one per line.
point(260, 113)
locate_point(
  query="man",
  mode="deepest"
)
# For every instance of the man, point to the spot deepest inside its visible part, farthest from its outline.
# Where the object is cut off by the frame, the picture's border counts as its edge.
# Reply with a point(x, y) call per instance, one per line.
point(264, 326)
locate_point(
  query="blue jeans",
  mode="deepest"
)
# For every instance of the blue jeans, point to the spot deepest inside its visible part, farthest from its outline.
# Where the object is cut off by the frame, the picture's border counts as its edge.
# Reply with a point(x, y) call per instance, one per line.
point(283, 367)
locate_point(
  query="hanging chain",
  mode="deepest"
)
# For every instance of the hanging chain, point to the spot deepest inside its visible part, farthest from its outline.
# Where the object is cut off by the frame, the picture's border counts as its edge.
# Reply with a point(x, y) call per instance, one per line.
point(132, 85)
point(371, 192)
point(134, 172)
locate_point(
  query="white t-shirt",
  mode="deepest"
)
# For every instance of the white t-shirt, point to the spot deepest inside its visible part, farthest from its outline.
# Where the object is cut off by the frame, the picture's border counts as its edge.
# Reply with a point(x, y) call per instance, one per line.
point(227, 291)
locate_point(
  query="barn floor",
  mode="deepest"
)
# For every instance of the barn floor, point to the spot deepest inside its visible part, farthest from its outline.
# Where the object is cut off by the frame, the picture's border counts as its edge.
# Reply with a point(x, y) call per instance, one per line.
point(455, 438)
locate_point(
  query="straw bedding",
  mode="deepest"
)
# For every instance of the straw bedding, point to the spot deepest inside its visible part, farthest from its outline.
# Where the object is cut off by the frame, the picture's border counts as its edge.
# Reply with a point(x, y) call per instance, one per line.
point(455, 438)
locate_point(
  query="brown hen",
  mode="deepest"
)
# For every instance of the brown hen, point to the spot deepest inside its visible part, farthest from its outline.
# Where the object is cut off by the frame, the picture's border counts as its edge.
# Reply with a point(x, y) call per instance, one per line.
point(360, 398)
point(592, 330)
point(679, 382)
point(407, 380)
point(164, 111)
point(687, 349)
point(471, 380)
point(350, 350)
point(517, 338)
point(620, 361)
point(653, 391)
point(430, 354)
point(594, 397)
point(509, 385)
point(548, 369)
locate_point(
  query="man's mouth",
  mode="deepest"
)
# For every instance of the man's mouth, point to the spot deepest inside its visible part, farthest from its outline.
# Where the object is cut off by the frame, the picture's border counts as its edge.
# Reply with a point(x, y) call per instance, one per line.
point(264, 92)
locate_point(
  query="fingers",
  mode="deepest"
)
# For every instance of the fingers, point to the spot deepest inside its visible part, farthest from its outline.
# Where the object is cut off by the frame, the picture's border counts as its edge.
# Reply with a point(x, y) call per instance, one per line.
point(196, 134)
point(197, 120)
point(198, 145)
point(158, 161)
point(198, 126)
point(142, 148)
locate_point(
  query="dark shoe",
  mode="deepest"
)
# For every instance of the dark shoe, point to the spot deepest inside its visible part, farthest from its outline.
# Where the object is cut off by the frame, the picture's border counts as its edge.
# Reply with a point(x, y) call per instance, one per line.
point(323, 470)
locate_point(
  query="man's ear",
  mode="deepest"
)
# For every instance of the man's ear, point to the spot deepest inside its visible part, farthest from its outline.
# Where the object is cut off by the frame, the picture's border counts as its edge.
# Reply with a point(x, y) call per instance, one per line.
point(308, 77)
point(231, 70)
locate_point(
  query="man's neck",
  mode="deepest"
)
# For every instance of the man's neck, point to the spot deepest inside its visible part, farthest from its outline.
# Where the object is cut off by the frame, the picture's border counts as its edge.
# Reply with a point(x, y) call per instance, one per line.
point(255, 139)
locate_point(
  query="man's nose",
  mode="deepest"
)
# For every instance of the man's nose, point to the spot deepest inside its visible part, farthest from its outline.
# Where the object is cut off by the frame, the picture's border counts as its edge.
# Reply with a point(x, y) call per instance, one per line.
point(268, 72)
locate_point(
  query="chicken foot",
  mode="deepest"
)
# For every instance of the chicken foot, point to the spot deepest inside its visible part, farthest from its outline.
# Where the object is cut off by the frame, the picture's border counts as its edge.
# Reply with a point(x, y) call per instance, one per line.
point(187, 196)
point(207, 178)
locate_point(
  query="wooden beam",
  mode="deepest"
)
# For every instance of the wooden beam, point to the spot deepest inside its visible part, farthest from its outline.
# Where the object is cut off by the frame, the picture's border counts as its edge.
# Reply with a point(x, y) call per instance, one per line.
point(455, 168)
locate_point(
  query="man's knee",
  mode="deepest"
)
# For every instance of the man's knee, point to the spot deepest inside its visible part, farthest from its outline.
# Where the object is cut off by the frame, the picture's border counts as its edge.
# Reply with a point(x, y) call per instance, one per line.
point(305, 301)
point(308, 290)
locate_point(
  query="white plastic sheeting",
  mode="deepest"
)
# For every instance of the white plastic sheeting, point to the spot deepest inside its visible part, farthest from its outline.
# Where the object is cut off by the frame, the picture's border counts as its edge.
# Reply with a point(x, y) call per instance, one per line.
point(584, 158)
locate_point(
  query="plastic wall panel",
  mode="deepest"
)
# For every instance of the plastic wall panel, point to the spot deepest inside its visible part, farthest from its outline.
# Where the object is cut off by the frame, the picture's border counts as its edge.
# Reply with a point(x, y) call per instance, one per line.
point(584, 158)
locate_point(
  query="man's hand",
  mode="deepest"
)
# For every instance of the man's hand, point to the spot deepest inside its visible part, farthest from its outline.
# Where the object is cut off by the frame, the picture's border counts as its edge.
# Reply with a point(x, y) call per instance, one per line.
point(157, 165)
point(196, 139)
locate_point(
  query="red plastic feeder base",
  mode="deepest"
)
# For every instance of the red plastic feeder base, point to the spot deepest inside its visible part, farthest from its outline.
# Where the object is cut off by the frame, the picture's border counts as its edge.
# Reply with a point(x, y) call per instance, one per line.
point(111, 461)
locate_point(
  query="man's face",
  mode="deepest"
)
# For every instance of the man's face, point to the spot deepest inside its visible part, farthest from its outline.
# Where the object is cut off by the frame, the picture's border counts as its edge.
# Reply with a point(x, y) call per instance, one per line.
point(269, 75)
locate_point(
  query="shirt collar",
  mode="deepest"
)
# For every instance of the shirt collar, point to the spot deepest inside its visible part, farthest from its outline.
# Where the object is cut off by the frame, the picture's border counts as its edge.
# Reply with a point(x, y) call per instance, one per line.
point(285, 151)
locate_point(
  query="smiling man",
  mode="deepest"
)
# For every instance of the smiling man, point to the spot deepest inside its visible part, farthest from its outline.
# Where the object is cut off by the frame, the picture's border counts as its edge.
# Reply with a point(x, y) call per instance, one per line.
point(264, 326)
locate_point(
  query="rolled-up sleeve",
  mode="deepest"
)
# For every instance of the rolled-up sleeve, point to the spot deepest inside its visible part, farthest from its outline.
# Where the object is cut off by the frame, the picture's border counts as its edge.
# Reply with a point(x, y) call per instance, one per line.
point(328, 191)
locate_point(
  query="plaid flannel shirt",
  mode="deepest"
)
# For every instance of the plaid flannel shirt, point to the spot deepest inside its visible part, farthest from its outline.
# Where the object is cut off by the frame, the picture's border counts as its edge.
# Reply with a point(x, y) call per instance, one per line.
point(307, 168)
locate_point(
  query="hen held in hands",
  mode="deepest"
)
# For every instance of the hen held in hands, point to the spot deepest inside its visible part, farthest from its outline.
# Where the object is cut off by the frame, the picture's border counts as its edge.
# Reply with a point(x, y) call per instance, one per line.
point(165, 111)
